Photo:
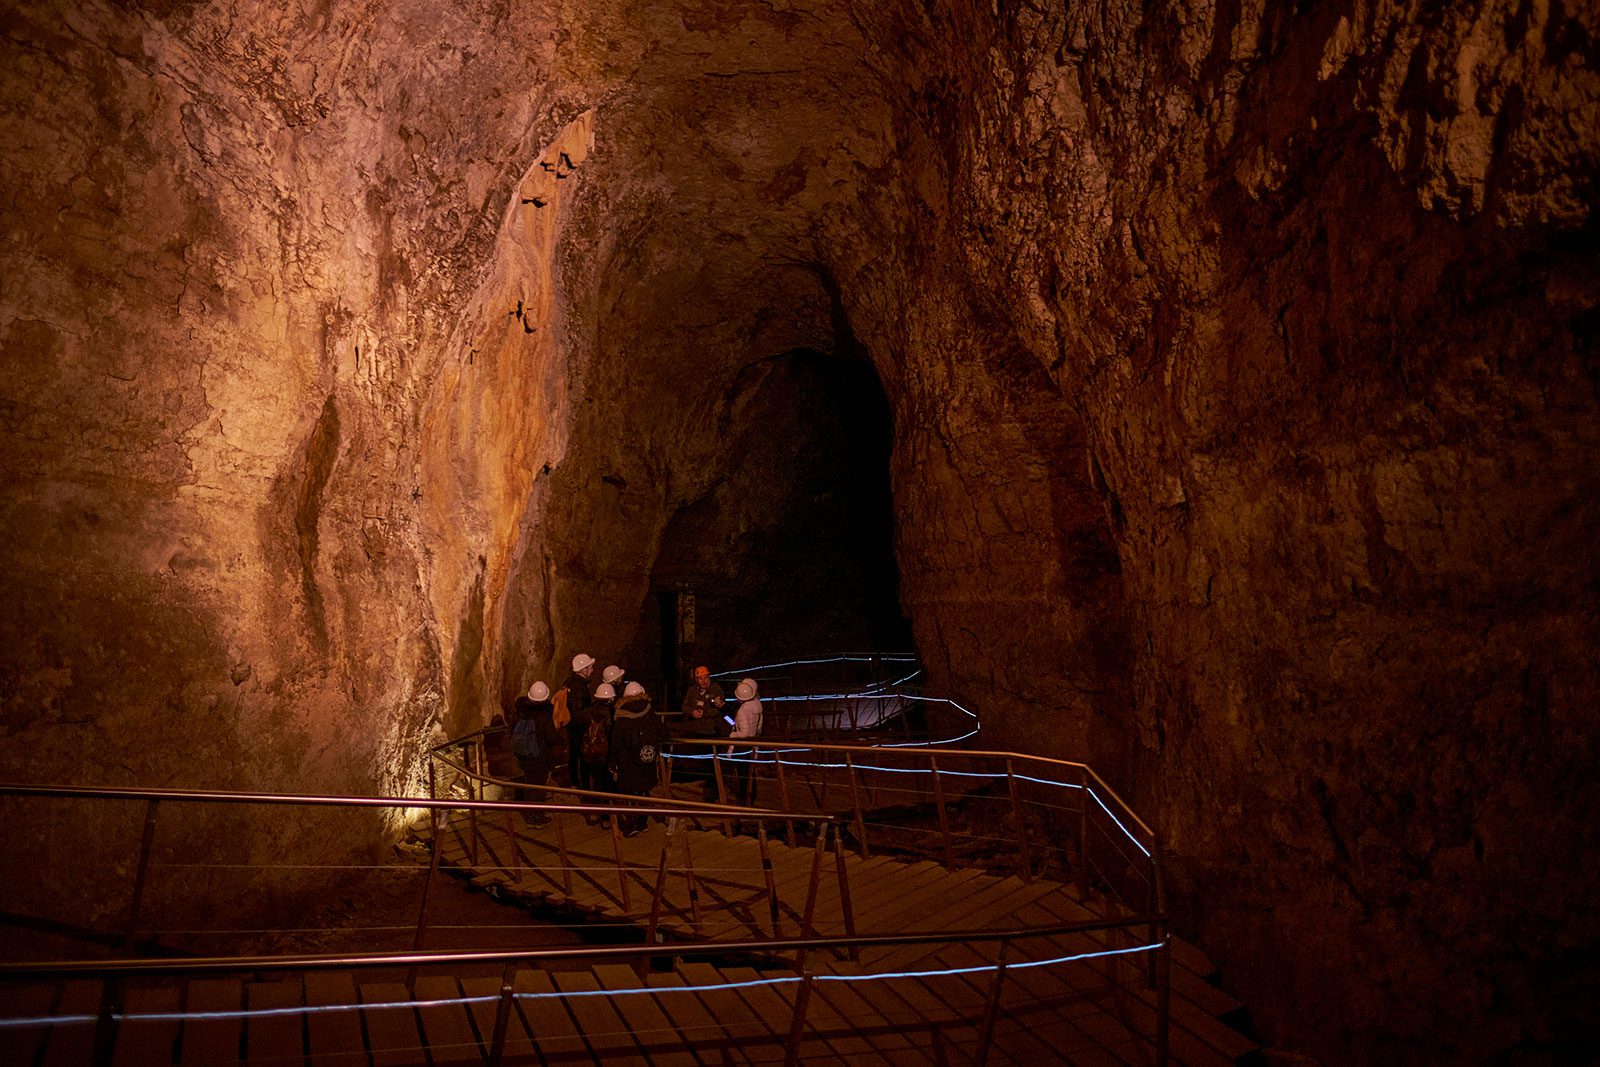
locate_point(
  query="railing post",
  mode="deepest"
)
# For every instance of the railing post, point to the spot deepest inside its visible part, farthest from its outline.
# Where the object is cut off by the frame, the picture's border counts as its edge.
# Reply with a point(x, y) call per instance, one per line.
point(766, 874)
point(502, 1015)
point(802, 1000)
point(433, 779)
point(1020, 824)
point(105, 1024)
point(783, 794)
point(855, 803)
point(1083, 835)
point(694, 887)
point(944, 815)
point(474, 793)
point(807, 927)
point(1163, 996)
point(722, 788)
point(991, 1007)
point(844, 891)
point(146, 841)
point(427, 888)
point(561, 851)
point(622, 872)
point(660, 893)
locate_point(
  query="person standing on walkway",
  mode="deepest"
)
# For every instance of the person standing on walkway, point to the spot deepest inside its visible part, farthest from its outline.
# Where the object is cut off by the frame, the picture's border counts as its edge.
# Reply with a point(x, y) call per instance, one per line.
point(577, 690)
point(746, 727)
point(702, 715)
point(593, 768)
point(635, 747)
point(533, 743)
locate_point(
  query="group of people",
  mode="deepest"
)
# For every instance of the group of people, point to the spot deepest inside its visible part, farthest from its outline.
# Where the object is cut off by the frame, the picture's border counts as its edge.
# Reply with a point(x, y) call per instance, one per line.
point(613, 736)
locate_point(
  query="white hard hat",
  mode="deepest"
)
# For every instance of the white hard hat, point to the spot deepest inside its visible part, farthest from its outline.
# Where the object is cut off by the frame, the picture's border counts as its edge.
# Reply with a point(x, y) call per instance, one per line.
point(633, 689)
point(582, 661)
point(539, 692)
point(605, 691)
point(613, 673)
point(746, 689)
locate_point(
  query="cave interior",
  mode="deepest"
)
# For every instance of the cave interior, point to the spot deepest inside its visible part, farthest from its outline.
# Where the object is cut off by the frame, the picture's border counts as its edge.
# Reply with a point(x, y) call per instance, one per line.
point(1204, 391)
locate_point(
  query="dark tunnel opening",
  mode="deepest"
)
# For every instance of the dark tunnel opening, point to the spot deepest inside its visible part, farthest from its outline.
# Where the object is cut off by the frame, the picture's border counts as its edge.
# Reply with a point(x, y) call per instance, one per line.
point(792, 552)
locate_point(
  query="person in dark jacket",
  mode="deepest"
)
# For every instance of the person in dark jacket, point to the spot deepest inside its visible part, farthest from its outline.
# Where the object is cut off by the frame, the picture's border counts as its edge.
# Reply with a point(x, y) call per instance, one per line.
point(635, 746)
point(577, 687)
point(702, 716)
point(596, 741)
point(536, 710)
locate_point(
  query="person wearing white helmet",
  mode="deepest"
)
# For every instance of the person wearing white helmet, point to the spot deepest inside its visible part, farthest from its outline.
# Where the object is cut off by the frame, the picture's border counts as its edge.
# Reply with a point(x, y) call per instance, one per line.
point(746, 727)
point(635, 745)
point(595, 745)
point(577, 703)
point(533, 743)
point(613, 674)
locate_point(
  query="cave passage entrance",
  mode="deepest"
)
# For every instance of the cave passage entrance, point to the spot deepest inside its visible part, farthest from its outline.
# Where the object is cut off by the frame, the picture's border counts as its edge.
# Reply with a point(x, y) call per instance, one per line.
point(792, 551)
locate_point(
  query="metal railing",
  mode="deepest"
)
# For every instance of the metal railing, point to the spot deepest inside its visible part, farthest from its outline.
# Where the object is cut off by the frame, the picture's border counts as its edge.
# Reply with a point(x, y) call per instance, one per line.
point(115, 974)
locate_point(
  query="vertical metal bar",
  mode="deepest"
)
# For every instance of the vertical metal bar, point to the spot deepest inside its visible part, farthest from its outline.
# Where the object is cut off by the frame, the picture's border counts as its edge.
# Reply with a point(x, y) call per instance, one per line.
point(502, 1015)
point(146, 841)
point(105, 1024)
point(855, 803)
point(433, 779)
point(427, 889)
point(660, 893)
point(783, 795)
point(944, 814)
point(802, 1000)
point(766, 874)
point(694, 886)
point(991, 1007)
point(1083, 835)
point(622, 872)
point(807, 918)
point(1020, 824)
point(844, 891)
point(1163, 996)
point(472, 813)
point(722, 788)
point(561, 851)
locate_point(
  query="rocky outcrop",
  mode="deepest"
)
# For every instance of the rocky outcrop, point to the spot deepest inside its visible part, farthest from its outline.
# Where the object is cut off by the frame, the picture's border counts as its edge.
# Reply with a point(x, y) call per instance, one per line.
point(360, 361)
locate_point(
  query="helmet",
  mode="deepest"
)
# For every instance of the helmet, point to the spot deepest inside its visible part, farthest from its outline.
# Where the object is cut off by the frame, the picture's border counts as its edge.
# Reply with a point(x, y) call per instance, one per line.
point(605, 691)
point(633, 689)
point(582, 661)
point(746, 689)
point(613, 674)
point(539, 692)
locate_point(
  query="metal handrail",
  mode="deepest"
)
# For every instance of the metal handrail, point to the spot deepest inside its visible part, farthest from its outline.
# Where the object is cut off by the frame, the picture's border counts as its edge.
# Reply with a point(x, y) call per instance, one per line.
point(31, 970)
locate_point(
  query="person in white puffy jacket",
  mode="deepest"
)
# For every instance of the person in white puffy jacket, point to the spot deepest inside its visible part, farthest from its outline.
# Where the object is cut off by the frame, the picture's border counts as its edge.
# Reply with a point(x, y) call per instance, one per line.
point(746, 727)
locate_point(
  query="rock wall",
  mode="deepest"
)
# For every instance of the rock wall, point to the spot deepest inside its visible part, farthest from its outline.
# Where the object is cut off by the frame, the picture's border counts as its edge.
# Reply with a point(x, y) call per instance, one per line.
point(1260, 342)
point(357, 358)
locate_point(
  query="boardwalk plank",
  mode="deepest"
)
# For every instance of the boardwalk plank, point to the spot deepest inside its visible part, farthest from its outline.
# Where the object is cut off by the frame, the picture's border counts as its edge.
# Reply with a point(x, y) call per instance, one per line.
point(334, 1037)
point(641, 1013)
point(518, 1049)
point(607, 1035)
point(446, 1028)
point(212, 1041)
point(141, 1042)
point(392, 1034)
point(548, 1022)
point(70, 1044)
point(756, 1037)
point(274, 1040)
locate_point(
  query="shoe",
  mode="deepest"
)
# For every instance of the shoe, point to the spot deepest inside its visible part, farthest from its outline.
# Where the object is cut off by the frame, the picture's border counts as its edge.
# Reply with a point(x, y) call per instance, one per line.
point(536, 820)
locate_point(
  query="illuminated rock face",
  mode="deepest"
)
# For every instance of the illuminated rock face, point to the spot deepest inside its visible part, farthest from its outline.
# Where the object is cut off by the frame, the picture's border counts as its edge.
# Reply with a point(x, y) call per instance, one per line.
point(1241, 363)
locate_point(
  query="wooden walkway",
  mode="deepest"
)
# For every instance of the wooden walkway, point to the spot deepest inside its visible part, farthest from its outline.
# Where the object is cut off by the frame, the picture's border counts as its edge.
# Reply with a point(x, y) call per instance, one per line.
point(720, 1011)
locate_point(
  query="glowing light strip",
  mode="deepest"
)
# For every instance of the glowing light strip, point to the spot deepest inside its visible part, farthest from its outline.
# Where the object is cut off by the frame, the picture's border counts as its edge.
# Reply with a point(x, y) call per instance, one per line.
point(887, 657)
point(258, 1013)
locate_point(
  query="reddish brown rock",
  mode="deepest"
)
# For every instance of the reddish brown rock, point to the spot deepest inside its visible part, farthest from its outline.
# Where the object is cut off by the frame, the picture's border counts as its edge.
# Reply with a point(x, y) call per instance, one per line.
point(1240, 358)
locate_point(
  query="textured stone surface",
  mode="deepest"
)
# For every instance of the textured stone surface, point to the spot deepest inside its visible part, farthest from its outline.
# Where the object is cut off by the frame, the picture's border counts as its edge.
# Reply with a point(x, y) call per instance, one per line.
point(1240, 358)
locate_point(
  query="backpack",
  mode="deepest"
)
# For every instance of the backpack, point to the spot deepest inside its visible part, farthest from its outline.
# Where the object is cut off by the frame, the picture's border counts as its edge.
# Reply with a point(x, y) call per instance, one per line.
point(525, 739)
point(561, 716)
point(594, 742)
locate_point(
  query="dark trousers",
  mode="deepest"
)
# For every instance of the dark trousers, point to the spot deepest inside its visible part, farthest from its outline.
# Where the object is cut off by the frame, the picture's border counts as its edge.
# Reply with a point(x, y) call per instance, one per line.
point(575, 731)
point(741, 786)
point(595, 776)
point(535, 771)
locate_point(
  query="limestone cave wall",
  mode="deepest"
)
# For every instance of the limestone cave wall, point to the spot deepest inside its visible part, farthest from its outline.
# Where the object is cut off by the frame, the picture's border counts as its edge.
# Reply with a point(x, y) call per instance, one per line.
point(358, 357)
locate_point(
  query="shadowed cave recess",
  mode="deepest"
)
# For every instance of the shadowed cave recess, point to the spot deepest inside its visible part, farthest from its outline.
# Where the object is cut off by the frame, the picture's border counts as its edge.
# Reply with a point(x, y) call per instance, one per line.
point(1232, 369)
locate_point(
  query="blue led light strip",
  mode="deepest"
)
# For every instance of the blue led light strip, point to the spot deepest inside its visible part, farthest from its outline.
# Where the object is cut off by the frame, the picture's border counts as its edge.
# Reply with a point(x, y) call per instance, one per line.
point(257, 1013)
